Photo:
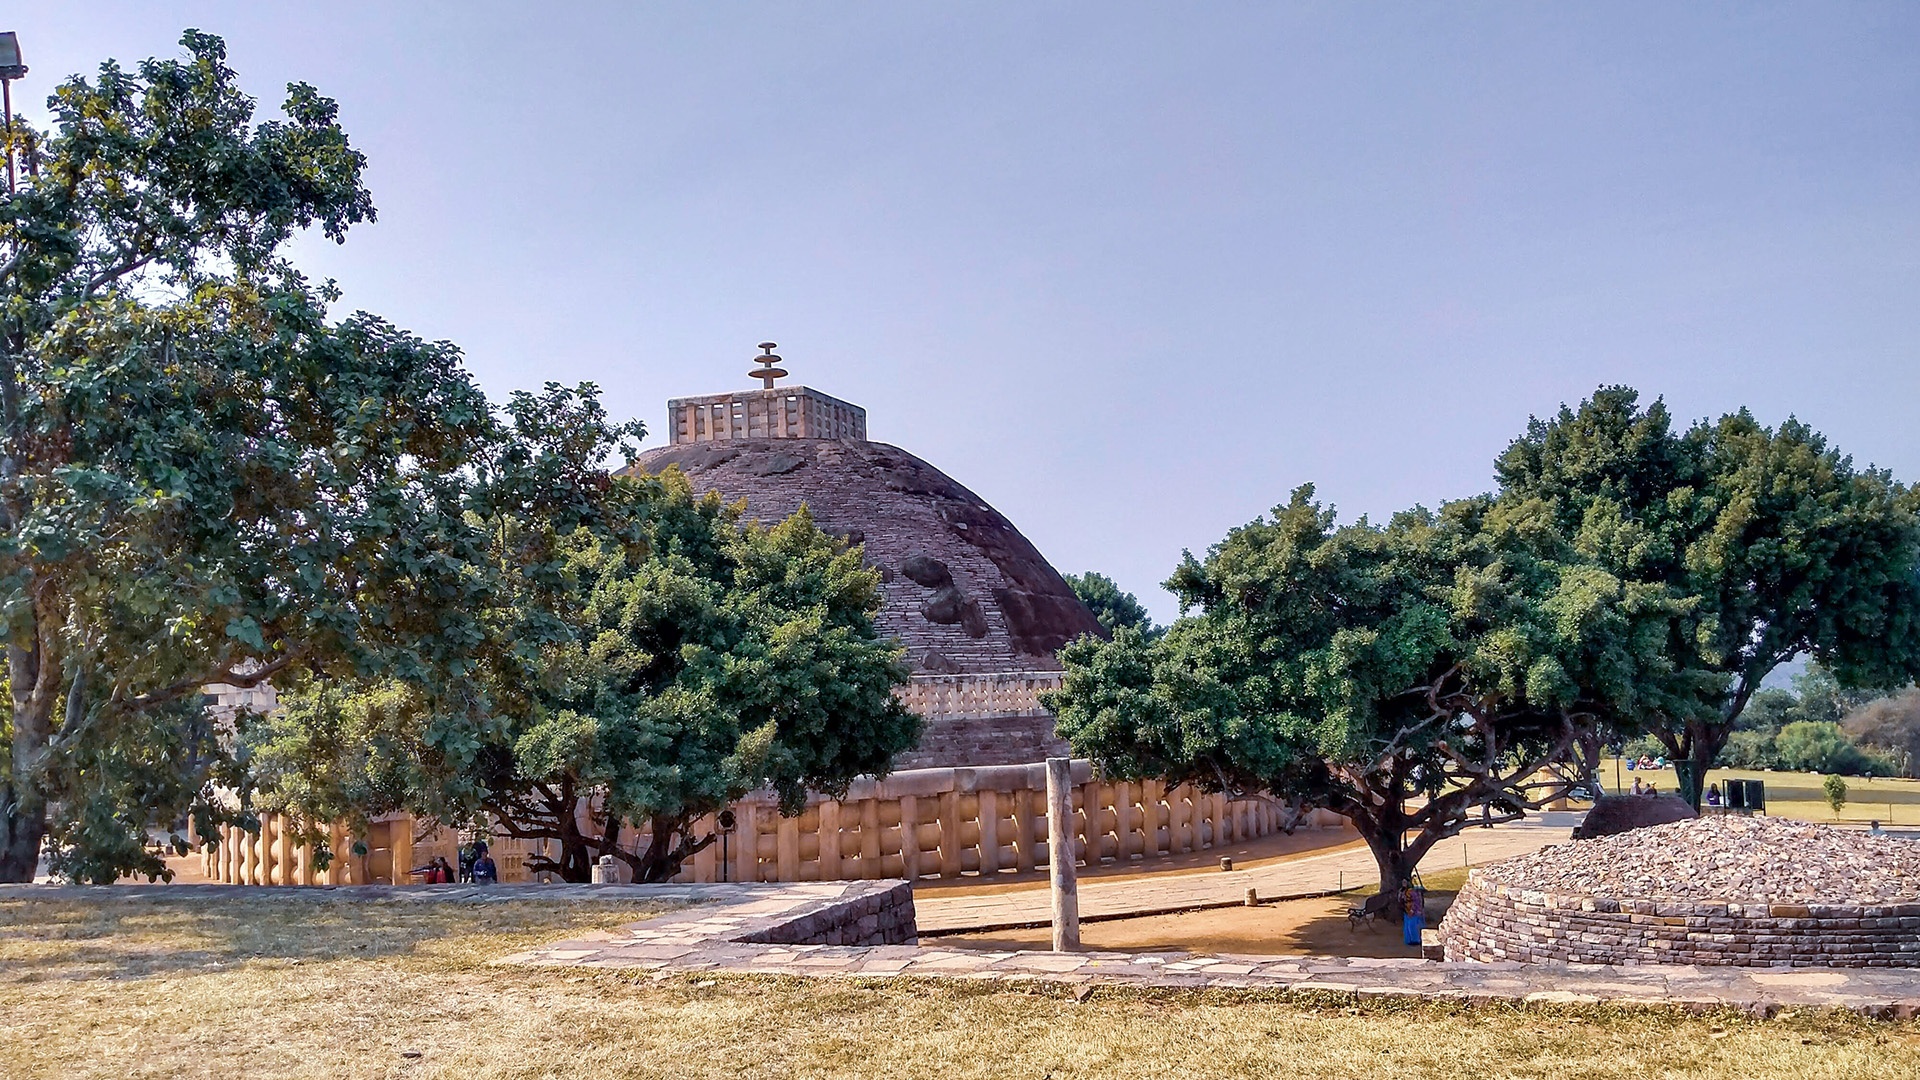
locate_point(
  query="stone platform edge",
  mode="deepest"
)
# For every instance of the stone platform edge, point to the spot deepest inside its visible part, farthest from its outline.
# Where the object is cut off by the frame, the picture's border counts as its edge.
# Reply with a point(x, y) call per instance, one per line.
point(791, 930)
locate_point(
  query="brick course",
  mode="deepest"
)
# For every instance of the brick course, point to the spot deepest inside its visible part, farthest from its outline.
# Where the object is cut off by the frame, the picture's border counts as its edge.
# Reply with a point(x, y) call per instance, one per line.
point(1490, 922)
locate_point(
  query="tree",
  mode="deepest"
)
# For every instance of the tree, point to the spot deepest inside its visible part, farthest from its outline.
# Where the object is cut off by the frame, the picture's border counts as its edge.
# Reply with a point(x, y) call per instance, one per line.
point(1835, 790)
point(1112, 607)
point(1891, 725)
point(1405, 676)
point(1811, 709)
point(1820, 746)
point(698, 662)
point(1771, 542)
point(202, 478)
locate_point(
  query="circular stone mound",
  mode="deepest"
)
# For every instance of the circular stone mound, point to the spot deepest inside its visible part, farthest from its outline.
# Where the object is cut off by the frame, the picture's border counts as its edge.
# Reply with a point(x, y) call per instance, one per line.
point(1767, 892)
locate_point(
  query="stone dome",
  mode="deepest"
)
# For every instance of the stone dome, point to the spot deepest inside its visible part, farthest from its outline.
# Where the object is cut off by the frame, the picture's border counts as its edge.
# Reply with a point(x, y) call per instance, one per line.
point(964, 591)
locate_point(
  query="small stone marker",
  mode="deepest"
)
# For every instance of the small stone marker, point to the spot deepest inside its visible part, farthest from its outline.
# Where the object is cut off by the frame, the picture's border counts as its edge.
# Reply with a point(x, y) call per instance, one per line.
point(605, 871)
point(1226, 862)
point(1060, 855)
point(1253, 898)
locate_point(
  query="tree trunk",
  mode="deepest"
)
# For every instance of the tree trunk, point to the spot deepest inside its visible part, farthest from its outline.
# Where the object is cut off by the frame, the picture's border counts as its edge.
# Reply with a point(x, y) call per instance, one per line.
point(1395, 862)
point(576, 861)
point(1704, 746)
point(21, 833)
point(664, 858)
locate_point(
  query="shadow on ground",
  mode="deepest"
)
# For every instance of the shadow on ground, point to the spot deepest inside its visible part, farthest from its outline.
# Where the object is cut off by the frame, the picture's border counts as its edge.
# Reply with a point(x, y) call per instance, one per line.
point(1312, 927)
point(80, 938)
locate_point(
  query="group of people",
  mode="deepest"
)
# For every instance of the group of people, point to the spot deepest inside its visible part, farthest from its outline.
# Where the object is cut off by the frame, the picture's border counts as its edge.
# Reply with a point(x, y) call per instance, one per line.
point(1645, 787)
point(1645, 762)
point(476, 866)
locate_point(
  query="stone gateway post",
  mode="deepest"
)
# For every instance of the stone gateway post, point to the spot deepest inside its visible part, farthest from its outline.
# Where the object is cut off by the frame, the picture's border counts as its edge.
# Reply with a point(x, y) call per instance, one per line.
point(1061, 856)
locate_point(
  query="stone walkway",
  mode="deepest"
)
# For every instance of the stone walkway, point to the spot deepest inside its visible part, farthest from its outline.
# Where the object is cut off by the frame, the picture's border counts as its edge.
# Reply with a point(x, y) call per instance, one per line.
point(711, 938)
point(943, 912)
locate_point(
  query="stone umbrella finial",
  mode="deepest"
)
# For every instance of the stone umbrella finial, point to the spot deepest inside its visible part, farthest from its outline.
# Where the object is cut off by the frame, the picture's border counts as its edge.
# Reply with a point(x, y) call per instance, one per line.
point(767, 372)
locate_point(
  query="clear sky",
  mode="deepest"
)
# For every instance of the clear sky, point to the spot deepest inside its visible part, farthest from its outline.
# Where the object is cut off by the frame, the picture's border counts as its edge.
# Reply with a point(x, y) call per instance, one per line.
point(1130, 271)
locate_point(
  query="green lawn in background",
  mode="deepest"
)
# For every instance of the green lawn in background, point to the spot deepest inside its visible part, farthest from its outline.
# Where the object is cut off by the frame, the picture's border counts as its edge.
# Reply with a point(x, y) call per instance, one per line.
point(1797, 794)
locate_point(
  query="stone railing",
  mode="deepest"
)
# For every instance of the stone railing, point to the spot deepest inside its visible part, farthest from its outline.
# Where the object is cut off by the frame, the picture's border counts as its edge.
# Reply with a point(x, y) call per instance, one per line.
point(1014, 693)
point(271, 856)
point(921, 823)
point(1499, 922)
point(368, 856)
point(946, 823)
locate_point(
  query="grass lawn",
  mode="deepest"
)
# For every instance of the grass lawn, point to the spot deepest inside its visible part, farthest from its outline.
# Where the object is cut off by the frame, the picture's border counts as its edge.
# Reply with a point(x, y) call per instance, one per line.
point(1798, 794)
point(262, 988)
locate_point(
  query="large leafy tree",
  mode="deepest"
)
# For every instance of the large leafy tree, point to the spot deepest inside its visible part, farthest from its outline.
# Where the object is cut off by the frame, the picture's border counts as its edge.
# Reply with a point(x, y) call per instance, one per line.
point(1111, 605)
point(203, 478)
point(1445, 669)
point(1774, 544)
point(700, 659)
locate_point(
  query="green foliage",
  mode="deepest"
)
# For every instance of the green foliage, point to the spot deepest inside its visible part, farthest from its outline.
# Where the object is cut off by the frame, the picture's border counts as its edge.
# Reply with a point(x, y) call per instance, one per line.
point(1797, 729)
point(1835, 789)
point(1112, 607)
point(1769, 542)
point(1750, 749)
point(1402, 675)
point(1820, 746)
point(204, 478)
point(1891, 726)
point(676, 671)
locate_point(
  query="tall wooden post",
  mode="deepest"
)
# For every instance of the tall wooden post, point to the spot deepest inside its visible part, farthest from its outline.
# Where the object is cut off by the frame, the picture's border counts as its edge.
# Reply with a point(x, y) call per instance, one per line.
point(1060, 855)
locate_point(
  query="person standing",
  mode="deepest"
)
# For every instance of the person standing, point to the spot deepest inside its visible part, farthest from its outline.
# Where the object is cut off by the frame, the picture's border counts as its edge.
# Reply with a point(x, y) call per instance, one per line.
point(1413, 907)
point(484, 871)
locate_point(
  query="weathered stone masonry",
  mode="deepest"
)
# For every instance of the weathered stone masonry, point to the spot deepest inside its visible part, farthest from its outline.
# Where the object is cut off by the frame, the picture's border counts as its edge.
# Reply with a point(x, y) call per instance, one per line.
point(1490, 922)
point(878, 914)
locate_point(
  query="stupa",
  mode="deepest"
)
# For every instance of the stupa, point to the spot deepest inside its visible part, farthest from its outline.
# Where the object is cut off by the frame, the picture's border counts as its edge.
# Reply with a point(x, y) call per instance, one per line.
point(979, 610)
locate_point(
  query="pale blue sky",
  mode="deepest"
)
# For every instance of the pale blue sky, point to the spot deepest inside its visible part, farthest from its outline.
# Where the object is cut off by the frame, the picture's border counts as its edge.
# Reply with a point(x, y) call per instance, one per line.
point(1131, 272)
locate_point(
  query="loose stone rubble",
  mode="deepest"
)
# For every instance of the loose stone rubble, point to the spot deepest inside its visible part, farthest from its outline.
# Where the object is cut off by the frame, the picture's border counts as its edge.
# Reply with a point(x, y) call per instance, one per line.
point(1755, 892)
point(1759, 859)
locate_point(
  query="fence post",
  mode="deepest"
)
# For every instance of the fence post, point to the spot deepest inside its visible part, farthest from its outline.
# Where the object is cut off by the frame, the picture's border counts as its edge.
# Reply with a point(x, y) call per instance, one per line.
point(1060, 855)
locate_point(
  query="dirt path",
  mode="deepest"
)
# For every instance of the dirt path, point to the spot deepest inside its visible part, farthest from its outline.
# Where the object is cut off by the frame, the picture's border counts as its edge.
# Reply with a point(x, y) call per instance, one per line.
point(946, 911)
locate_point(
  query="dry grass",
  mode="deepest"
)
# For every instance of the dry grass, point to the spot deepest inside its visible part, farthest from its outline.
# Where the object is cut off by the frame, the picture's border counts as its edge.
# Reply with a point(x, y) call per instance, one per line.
point(264, 989)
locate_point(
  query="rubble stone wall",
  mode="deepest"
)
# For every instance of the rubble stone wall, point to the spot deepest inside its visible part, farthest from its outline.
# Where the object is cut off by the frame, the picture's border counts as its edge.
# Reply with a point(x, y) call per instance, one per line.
point(1498, 922)
point(878, 915)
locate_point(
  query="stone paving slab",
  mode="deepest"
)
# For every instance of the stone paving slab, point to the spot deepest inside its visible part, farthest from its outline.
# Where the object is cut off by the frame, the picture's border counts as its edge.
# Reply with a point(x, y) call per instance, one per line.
point(708, 940)
point(944, 912)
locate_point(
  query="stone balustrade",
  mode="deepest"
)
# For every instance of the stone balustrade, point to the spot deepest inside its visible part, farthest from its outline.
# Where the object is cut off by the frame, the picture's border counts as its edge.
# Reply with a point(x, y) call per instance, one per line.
point(946, 823)
point(1003, 694)
point(920, 823)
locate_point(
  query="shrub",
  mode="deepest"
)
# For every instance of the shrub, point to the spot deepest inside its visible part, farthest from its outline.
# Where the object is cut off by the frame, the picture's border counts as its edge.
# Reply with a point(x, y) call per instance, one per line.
point(1836, 792)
